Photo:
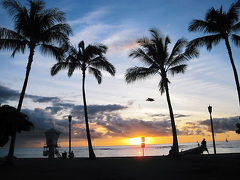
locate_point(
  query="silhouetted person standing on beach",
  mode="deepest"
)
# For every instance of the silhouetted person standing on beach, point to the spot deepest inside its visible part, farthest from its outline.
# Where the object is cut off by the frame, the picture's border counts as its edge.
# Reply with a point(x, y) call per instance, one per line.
point(204, 145)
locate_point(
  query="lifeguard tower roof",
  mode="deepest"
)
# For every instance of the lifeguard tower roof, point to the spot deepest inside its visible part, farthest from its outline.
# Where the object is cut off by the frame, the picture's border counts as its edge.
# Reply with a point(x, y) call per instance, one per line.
point(52, 136)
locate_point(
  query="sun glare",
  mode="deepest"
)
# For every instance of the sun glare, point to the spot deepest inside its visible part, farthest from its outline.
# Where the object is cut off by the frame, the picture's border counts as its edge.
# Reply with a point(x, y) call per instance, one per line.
point(137, 141)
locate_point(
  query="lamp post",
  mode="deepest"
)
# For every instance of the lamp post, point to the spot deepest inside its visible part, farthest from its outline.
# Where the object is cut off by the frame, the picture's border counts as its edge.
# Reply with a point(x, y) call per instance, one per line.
point(69, 120)
point(210, 113)
point(143, 144)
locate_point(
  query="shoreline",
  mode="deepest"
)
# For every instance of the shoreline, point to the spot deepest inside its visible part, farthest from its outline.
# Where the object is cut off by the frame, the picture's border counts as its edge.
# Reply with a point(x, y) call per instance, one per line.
point(220, 166)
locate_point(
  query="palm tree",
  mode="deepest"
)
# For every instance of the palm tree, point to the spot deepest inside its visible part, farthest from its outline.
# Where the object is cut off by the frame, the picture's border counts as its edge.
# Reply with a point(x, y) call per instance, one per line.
point(34, 26)
point(9, 117)
point(89, 58)
point(158, 61)
point(238, 128)
point(219, 25)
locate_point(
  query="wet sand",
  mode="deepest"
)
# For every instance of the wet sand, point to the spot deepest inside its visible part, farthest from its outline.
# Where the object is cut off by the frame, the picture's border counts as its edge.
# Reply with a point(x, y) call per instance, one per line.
point(205, 167)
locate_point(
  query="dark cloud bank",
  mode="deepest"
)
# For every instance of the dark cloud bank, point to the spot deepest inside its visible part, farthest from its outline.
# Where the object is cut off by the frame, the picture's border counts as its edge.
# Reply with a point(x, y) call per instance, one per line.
point(106, 116)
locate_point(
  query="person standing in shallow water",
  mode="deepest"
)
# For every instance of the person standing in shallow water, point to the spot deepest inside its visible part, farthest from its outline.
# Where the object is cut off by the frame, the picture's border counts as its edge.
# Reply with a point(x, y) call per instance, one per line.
point(204, 145)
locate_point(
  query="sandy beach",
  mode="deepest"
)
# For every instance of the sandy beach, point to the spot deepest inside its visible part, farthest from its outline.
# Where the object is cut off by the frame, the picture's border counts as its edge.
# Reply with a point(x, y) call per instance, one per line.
point(221, 166)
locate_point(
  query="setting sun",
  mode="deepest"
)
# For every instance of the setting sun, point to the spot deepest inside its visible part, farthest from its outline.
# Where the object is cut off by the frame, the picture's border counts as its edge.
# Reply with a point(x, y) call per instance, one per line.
point(137, 141)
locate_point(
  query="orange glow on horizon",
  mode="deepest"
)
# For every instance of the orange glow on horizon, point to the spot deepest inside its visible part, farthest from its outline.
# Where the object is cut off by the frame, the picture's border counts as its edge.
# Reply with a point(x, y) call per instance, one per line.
point(119, 141)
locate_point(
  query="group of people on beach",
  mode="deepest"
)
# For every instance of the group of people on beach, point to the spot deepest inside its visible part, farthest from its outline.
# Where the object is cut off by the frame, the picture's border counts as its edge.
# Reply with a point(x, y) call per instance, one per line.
point(198, 150)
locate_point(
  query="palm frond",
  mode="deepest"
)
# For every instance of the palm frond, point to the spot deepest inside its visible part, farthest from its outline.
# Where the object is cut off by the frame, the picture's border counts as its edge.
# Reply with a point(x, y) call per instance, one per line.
point(162, 50)
point(161, 85)
point(200, 25)
point(71, 68)
point(10, 34)
point(167, 42)
point(20, 47)
point(155, 51)
point(212, 14)
point(141, 55)
point(58, 33)
point(236, 39)
point(236, 27)
point(207, 41)
point(191, 52)
point(81, 45)
point(93, 50)
point(11, 40)
point(155, 33)
point(97, 74)
point(54, 51)
point(232, 14)
point(35, 7)
point(178, 69)
point(177, 49)
point(143, 41)
point(72, 51)
point(52, 16)
point(13, 44)
point(178, 57)
point(100, 62)
point(12, 6)
point(25, 25)
point(137, 73)
point(59, 66)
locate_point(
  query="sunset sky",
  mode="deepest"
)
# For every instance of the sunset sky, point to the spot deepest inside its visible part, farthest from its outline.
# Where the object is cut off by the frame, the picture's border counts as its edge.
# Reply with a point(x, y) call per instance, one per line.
point(117, 110)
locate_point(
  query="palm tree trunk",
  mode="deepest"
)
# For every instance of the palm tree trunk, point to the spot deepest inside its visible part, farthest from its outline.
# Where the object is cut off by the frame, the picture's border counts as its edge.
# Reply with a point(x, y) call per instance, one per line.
point(175, 149)
point(90, 148)
point(28, 69)
point(233, 67)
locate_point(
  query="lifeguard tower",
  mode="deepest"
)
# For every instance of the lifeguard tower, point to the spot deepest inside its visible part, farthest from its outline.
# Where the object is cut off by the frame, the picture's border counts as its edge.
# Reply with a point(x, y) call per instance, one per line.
point(50, 149)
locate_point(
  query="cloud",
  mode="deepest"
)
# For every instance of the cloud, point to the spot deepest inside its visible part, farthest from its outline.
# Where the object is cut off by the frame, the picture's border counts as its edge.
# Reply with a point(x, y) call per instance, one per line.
point(222, 125)
point(107, 118)
point(192, 128)
point(93, 109)
point(118, 37)
point(90, 17)
point(166, 116)
point(91, 34)
point(122, 40)
point(55, 109)
point(7, 94)
point(41, 119)
point(103, 116)
point(115, 125)
point(42, 99)
point(180, 115)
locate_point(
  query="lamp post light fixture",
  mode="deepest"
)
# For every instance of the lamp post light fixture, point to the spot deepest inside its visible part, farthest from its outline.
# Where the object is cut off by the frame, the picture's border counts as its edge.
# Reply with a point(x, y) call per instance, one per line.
point(69, 120)
point(142, 145)
point(210, 113)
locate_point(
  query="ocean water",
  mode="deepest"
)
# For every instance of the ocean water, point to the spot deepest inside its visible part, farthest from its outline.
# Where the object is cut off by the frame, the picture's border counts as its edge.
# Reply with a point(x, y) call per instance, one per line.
point(125, 151)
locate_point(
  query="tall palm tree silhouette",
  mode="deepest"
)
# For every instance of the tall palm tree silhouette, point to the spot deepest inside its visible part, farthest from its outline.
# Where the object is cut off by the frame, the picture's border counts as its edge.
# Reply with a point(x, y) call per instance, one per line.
point(220, 25)
point(34, 26)
point(89, 58)
point(154, 54)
